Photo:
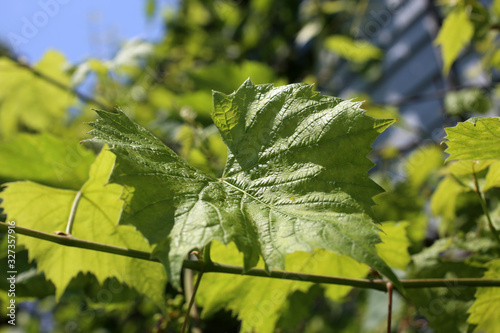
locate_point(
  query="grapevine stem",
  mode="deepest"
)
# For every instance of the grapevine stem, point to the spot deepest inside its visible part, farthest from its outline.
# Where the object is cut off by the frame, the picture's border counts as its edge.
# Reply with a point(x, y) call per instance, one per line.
point(389, 286)
point(482, 200)
point(191, 302)
point(377, 284)
point(72, 214)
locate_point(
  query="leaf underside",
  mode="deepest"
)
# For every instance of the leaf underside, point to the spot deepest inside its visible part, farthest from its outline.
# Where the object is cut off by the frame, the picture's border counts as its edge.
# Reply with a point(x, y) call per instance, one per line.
point(295, 179)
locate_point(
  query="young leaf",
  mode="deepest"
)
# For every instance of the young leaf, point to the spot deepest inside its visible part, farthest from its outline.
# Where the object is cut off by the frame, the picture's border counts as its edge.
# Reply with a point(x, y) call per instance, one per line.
point(295, 179)
point(47, 209)
point(455, 34)
point(475, 139)
point(485, 311)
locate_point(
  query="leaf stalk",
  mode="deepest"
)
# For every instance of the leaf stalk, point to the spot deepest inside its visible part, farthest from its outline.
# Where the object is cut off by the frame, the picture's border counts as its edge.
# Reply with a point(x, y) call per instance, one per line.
point(482, 201)
point(72, 214)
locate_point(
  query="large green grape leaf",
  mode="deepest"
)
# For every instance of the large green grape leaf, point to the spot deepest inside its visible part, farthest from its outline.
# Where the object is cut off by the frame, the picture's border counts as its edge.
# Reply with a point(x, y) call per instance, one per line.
point(295, 179)
point(475, 139)
point(47, 209)
point(260, 302)
point(45, 159)
point(485, 311)
point(455, 34)
point(29, 101)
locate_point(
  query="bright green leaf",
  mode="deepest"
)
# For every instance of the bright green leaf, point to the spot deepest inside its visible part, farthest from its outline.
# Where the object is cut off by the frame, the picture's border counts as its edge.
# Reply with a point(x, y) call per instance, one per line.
point(47, 209)
point(27, 100)
point(495, 6)
point(259, 302)
point(492, 177)
point(455, 34)
point(394, 246)
point(422, 163)
point(45, 159)
point(444, 199)
point(475, 139)
point(295, 179)
point(485, 312)
point(359, 51)
point(466, 167)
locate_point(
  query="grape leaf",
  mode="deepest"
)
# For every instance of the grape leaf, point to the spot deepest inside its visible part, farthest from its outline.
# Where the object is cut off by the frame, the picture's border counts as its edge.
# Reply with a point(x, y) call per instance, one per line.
point(492, 177)
point(359, 51)
point(445, 308)
point(422, 163)
point(455, 34)
point(295, 179)
point(475, 139)
point(45, 159)
point(466, 167)
point(260, 302)
point(96, 219)
point(29, 101)
point(444, 199)
point(485, 310)
point(395, 243)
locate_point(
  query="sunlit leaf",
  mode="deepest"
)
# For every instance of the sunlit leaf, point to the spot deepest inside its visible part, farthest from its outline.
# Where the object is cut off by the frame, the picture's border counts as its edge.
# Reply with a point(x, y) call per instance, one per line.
point(26, 100)
point(295, 179)
point(456, 33)
point(475, 139)
point(359, 51)
point(443, 200)
point(492, 177)
point(422, 163)
point(485, 312)
point(96, 219)
point(394, 246)
point(45, 159)
point(259, 302)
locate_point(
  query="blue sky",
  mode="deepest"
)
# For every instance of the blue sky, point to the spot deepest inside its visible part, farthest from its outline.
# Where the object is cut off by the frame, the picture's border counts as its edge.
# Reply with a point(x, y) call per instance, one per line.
point(79, 29)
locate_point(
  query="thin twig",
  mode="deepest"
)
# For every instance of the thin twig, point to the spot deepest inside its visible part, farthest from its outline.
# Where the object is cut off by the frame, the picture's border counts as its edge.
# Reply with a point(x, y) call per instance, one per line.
point(60, 85)
point(196, 265)
point(482, 200)
point(389, 286)
point(191, 302)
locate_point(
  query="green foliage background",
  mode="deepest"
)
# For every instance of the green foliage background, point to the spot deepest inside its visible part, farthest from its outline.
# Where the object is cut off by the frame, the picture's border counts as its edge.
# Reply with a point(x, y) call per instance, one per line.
point(434, 223)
